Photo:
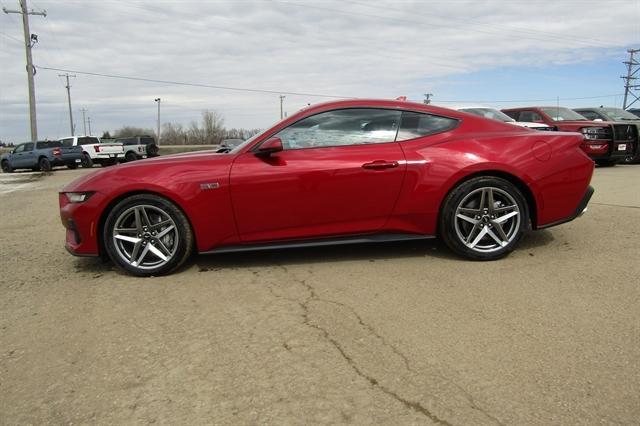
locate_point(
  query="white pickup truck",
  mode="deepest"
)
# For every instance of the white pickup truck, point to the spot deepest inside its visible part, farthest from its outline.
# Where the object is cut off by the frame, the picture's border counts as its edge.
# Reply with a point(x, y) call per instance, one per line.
point(93, 151)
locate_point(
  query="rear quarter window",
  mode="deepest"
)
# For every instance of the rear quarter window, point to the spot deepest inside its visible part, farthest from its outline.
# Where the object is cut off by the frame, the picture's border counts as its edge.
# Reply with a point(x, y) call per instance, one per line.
point(48, 144)
point(414, 125)
point(87, 140)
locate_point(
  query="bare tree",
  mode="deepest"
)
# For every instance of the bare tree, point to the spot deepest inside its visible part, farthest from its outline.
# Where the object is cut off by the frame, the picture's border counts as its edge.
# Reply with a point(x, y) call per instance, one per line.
point(128, 131)
point(213, 127)
point(210, 132)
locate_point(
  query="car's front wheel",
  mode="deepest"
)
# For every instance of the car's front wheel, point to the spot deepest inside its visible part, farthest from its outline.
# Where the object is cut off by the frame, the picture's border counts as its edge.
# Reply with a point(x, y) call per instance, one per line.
point(147, 235)
point(6, 167)
point(484, 218)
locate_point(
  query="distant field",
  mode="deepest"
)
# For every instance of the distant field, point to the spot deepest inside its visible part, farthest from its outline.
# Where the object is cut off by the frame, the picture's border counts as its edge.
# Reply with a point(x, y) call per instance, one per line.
point(175, 149)
point(164, 149)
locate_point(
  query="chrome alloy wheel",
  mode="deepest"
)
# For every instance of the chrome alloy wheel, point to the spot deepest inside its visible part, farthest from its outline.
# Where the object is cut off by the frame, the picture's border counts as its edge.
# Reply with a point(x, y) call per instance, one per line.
point(487, 219)
point(145, 237)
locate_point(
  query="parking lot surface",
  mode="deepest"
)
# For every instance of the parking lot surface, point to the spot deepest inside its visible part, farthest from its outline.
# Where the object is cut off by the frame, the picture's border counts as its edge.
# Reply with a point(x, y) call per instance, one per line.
point(402, 333)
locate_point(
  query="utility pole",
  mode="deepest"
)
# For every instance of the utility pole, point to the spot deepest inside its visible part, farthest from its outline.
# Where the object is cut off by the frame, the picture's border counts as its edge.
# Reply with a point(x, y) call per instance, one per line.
point(632, 69)
point(281, 110)
point(158, 100)
point(84, 121)
point(69, 99)
point(427, 98)
point(29, 41)
point(89, 121)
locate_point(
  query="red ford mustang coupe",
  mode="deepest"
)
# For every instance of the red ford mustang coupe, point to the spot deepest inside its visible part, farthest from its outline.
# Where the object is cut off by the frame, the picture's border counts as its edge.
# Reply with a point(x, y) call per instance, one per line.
point(341, 172)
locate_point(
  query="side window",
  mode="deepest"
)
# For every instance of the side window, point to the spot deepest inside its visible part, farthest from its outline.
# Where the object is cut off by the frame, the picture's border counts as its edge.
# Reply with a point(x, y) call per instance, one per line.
point(67, 142)
point(19, 148)
point(513, 114)
point(530, 116)
point(28, 146)
point(415, 125)
point(342, 127)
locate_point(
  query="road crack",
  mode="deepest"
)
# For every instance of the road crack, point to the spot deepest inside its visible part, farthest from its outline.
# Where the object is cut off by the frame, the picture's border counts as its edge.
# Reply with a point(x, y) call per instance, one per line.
point(312, 297)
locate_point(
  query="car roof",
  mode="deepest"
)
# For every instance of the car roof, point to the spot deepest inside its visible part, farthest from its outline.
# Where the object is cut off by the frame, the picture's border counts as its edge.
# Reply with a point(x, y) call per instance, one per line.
point(379, 103)
point(467, 106)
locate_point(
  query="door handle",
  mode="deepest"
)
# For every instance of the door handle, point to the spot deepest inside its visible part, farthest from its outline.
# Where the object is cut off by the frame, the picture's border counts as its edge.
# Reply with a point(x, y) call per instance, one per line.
point(380, 165)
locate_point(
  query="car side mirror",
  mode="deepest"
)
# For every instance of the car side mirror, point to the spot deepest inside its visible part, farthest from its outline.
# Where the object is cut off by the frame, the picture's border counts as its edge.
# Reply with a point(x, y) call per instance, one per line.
point(269, 147)
point(598, 119)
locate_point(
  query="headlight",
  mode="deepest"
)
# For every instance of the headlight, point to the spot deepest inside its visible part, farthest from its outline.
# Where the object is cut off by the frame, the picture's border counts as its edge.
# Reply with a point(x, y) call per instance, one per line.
point(596, 132)
point(78, 197)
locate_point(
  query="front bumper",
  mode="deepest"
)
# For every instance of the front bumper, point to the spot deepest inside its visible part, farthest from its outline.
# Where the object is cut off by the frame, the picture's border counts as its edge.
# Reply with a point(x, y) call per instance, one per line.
point(82, 225)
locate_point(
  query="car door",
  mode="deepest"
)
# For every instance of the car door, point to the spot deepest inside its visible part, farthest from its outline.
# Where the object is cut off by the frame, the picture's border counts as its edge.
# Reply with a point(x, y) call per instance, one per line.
point(340, 173)
point(19, 156)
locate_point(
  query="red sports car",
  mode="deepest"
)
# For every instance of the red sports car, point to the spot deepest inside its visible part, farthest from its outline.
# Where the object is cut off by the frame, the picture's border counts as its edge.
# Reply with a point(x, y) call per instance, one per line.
point(341, 172)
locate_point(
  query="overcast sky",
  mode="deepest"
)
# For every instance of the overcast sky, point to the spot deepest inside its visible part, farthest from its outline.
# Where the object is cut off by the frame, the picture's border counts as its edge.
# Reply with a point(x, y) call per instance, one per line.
point(504, 53)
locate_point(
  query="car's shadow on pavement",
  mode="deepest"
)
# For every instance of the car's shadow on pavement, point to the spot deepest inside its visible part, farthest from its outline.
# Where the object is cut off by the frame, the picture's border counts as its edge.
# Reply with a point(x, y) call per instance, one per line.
point(433, 248)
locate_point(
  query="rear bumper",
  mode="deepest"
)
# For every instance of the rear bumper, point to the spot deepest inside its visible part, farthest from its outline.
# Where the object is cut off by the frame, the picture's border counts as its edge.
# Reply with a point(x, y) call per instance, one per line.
point(579, 211)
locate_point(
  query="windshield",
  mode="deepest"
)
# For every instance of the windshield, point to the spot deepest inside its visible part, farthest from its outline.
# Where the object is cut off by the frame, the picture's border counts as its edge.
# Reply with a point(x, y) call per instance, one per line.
point(618, 114)
point(489, 113)
point(562, 114)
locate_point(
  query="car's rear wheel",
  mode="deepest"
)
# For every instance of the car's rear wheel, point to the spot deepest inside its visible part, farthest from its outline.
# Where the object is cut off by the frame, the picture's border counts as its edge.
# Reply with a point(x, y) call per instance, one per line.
point(86, 162)
point(72, 166)
point(130, 156)
point(152, 150)
point(44, 164)
point(147, 235)
point(6, 167)
point(484, 218)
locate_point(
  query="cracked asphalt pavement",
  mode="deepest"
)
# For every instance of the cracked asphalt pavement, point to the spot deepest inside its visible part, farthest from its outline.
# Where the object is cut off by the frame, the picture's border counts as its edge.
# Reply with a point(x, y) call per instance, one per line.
point(401, 333)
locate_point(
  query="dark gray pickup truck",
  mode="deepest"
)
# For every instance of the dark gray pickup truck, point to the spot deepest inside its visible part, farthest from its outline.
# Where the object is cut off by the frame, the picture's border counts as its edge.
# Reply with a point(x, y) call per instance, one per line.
point(41, 155)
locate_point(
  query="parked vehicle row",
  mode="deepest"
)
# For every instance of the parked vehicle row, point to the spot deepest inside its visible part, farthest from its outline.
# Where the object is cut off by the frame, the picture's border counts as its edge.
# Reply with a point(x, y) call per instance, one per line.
point(94, 151)
point(606, 142)
point(41, 155)
point(611, 135)
point(78, 150)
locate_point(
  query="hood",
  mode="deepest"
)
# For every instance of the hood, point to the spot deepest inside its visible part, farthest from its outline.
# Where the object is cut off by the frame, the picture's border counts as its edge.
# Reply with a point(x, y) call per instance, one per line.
point(157, 169)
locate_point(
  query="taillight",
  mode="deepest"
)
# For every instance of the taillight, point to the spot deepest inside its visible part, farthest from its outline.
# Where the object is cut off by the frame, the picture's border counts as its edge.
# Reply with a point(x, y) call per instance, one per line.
point(97, 148)
point(56, 152)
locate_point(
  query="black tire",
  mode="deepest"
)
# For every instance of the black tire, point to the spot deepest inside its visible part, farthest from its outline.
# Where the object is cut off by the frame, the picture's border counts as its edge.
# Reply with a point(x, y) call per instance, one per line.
point(130, 156)
point(606, 163)
point(44, 164)
point(6, 167)
point(487, 231)
point(174, 240)
point(86, 162)
point(72, 166)
point(152, 150)
point(634, 157)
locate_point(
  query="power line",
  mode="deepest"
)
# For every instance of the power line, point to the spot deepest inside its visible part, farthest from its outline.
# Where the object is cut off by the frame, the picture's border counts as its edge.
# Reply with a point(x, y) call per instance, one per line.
point(319, 95)
point(182, 83)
